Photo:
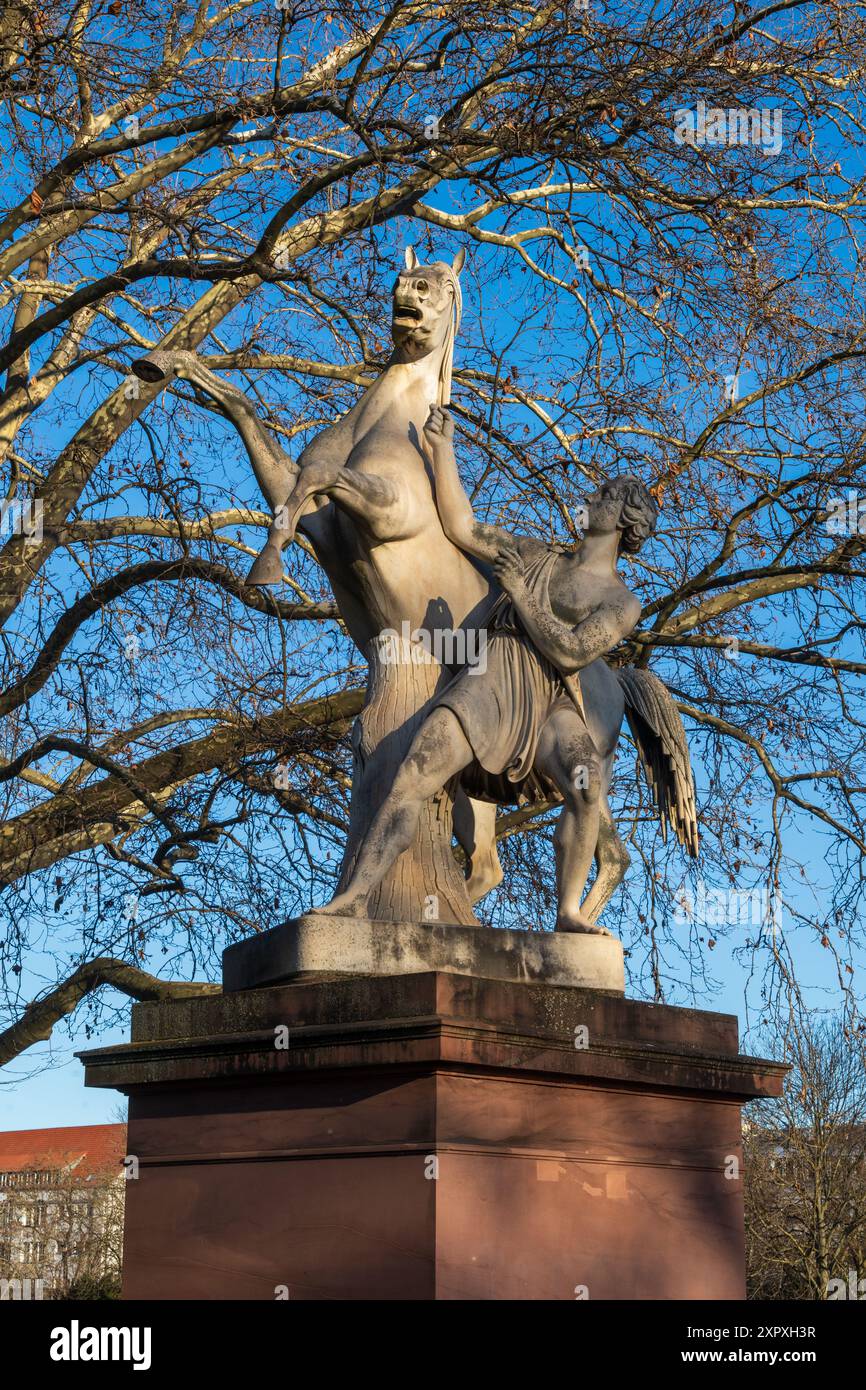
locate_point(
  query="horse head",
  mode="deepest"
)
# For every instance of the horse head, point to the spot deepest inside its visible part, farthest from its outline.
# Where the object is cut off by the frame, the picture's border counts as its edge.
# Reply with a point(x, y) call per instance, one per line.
point(427, 303)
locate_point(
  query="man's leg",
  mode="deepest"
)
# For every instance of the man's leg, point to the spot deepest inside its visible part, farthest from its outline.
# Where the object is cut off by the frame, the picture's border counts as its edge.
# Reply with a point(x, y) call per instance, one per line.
point(439, 751)
point(567, 755)
point(612, 859)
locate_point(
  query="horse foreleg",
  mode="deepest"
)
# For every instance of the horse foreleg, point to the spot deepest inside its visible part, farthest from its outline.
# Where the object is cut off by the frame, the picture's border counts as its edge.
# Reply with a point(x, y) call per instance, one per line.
point(274, 469)
point(375, 503)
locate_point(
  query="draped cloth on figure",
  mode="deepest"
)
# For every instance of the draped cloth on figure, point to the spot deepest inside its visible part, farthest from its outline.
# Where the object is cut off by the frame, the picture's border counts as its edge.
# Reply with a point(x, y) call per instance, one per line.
point(503, 708)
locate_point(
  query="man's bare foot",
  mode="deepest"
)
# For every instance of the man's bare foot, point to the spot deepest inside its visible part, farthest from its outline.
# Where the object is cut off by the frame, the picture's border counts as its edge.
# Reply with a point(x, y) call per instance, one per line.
point(344, 905)
point(579, 923)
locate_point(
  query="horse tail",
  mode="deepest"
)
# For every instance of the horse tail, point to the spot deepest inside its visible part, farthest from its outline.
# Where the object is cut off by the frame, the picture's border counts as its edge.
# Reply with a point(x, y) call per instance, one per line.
point(660, 738)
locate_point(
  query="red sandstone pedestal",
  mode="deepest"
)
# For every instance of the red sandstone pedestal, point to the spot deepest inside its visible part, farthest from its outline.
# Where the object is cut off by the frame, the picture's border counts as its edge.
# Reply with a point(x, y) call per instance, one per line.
point(432, 1136)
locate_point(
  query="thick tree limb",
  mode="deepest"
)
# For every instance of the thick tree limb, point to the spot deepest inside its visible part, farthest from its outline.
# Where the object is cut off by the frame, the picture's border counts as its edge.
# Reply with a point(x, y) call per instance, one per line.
point(37, 1022)
point(41, 835)
point(165, 571)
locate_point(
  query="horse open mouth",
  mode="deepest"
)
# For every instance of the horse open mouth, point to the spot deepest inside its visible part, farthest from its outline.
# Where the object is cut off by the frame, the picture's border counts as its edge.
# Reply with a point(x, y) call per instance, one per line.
point(407, 313)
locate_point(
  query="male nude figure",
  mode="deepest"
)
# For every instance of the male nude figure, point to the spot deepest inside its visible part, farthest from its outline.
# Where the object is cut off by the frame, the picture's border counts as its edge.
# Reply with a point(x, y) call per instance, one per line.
point(517, 729)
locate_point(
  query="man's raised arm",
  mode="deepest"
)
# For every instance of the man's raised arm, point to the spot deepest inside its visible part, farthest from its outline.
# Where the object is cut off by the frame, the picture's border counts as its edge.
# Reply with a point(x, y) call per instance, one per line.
point(455, 509)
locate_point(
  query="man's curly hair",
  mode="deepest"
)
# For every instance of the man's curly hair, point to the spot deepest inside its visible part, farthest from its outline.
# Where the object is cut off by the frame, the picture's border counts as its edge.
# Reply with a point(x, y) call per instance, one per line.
point(639, 514)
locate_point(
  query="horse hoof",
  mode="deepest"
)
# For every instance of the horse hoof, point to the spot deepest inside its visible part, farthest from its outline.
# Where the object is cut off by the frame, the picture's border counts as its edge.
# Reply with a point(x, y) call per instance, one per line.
point(267, 569)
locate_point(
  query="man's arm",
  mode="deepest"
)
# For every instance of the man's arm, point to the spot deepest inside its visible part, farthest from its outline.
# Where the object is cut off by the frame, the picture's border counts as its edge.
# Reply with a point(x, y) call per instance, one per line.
point(455, 509)
point(567, 648)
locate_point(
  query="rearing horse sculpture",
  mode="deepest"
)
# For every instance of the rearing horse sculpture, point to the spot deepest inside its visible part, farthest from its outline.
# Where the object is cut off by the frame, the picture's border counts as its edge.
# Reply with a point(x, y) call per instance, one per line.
point(390, 563)
point(367, 506)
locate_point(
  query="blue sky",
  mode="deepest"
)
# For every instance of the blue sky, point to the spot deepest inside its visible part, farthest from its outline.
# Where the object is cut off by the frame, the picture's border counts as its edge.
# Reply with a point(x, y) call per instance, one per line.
point(57, 1095)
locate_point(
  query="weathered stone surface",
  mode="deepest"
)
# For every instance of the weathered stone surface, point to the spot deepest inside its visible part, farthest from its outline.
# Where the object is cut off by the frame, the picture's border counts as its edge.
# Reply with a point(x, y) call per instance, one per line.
point(332, 946)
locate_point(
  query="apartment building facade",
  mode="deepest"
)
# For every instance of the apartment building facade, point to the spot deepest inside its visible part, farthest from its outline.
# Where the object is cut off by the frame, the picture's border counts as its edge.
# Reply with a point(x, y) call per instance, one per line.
point(61, 1210)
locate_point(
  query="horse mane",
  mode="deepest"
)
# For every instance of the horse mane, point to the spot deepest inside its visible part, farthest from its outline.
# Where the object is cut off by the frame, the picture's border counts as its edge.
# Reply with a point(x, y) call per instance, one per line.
point(446, 366)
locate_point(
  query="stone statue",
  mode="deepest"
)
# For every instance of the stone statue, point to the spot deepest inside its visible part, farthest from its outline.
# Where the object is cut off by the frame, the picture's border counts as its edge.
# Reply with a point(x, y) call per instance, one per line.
point(519, 726)
point(390, 563)
point(441, 742)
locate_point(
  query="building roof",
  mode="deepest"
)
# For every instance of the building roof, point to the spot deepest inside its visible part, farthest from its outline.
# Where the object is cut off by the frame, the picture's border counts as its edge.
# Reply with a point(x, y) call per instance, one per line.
point(89, 1149)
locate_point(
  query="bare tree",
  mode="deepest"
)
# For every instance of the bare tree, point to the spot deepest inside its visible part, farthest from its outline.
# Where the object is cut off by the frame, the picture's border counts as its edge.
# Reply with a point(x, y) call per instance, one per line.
point(662, 212)
point(805, 1174)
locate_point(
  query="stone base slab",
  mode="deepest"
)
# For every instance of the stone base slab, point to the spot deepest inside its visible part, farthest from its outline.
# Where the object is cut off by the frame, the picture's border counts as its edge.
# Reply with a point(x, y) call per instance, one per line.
point(321, 947)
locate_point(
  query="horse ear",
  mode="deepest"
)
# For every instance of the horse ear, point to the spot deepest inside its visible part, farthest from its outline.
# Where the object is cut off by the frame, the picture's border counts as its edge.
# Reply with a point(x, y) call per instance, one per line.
point(410, 258)
point(459, 260)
